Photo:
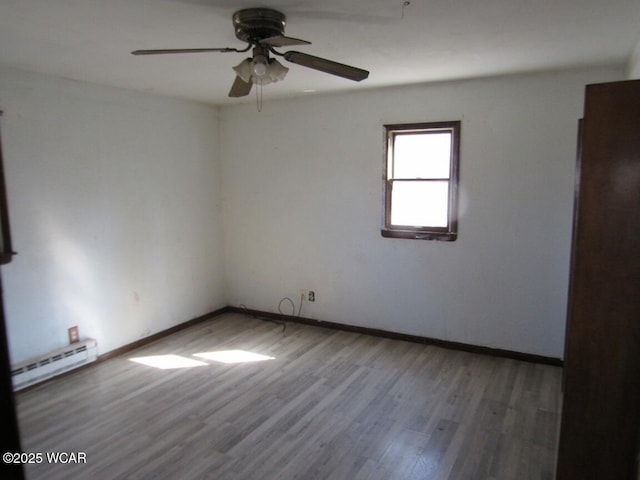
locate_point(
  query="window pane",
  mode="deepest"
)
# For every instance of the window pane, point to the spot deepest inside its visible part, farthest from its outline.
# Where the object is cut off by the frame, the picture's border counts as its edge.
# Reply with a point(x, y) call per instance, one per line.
point(420, 204)
point(422, 155)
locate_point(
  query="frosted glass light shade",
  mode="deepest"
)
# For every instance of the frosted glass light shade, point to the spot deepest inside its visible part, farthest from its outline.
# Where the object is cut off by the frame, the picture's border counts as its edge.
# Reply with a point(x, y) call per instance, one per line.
point(276, 70)
point(243, 70)
point(259, 72)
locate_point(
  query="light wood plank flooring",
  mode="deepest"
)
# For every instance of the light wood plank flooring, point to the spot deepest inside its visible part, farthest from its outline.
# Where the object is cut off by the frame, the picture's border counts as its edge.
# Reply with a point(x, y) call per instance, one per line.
point(330, 405)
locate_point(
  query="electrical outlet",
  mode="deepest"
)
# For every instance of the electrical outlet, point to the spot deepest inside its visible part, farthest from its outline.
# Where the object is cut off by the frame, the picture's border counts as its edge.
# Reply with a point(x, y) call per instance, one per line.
point(303, 294)
point(74, 335)
point(312, 296)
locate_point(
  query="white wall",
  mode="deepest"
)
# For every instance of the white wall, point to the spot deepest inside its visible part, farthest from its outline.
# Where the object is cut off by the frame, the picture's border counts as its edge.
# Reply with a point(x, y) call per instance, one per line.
point(302, 203)
point(114, 203)
point(633, 67)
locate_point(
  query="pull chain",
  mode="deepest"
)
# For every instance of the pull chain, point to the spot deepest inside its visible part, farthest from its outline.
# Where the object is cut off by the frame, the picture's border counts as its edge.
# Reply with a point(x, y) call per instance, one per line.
point(259, 96)
point(405, 4)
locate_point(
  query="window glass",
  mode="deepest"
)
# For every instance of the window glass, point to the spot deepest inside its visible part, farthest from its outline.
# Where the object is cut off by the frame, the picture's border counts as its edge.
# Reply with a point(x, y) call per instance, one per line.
point(420, 203)
point(422, 155)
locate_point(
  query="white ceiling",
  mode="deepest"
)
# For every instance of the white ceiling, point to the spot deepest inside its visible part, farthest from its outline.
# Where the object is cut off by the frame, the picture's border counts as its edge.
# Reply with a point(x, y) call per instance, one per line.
point(424, 40)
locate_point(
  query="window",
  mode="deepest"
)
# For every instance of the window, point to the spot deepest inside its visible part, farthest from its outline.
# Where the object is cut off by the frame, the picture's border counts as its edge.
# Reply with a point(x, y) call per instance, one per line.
point(421, 180)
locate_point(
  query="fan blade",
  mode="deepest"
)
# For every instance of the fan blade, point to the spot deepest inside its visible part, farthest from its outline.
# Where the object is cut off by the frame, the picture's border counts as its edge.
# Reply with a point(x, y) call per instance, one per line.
point(183, 50)
point(327, 66)
point(282, 41)
point(240, 88)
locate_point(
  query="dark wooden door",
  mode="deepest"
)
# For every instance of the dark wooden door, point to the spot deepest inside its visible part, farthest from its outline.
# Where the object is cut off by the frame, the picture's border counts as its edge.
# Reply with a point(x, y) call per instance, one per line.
point(600, 426)
point(9, 434)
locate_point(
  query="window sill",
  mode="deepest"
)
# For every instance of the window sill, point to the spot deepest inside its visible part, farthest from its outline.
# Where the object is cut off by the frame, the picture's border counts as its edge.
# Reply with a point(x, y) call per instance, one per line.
point(419, 235)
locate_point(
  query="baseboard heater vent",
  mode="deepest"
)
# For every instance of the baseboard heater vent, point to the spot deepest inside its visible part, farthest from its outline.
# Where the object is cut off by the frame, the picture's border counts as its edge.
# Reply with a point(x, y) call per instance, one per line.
point(59, 361)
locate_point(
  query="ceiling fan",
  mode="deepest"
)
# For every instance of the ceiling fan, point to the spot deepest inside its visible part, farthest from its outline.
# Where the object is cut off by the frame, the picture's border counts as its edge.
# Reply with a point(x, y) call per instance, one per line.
point(263, 29)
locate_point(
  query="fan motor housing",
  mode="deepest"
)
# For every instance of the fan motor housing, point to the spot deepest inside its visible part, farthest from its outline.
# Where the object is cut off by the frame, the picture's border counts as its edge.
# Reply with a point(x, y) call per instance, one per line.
point(254, 24)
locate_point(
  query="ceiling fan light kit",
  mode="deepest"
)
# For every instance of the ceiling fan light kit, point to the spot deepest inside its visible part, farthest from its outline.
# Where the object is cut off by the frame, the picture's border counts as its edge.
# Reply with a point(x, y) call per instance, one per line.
point(263, 29)
point(260, 69)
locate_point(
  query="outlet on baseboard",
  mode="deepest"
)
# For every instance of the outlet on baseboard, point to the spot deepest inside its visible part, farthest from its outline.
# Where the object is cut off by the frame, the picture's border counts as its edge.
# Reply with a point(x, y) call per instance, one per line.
point(74, 334)
point(309, 295)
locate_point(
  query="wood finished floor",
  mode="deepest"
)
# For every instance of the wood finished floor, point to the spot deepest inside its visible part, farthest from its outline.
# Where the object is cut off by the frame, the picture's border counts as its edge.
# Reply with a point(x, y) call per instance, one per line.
point(331, 405)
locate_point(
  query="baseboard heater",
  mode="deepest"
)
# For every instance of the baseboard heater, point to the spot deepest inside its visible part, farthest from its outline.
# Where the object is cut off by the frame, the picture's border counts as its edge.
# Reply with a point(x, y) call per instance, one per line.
point(54, 363)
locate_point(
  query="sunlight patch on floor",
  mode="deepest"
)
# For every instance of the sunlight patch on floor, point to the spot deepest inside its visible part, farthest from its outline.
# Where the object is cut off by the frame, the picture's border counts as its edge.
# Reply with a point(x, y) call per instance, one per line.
point(233, 356)
point(167, 362)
